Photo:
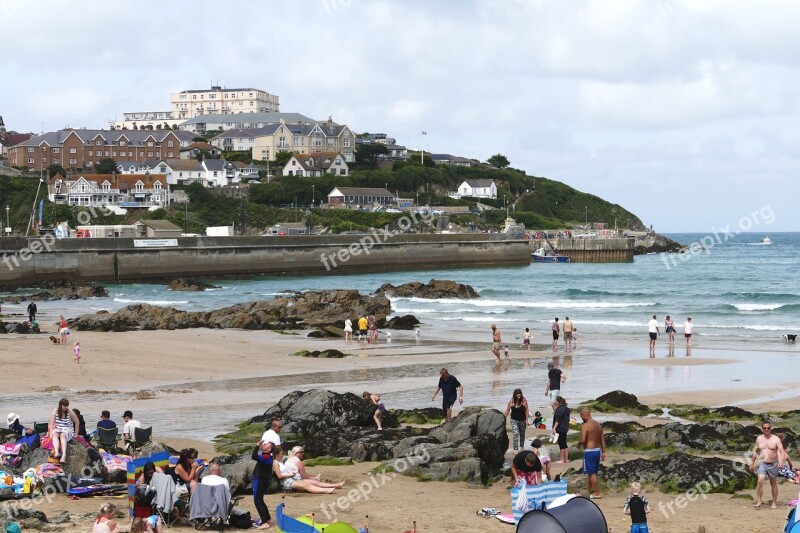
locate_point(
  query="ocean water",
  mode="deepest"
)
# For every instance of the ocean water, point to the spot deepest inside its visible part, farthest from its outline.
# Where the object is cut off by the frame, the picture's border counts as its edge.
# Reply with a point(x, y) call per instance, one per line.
point(736, 291)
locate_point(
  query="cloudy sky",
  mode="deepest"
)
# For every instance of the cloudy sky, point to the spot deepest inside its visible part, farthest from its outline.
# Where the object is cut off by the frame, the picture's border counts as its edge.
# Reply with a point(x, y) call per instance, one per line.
point(685, 112)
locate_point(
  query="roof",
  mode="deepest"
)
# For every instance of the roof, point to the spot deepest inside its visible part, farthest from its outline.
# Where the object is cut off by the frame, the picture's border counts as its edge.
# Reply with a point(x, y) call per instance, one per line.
point(236, 132)
point(199, 146)
point(189, 165)
point(317, 161)
point(292, 225)
point(10, 139)
point(251, 118)
point(133, 137)
point(129, 180)
point(159, 225)
point(220, 90)
point(363, 191)
point(480, 183)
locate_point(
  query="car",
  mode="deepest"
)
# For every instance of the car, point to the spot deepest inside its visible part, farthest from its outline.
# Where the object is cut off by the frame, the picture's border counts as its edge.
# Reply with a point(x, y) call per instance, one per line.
point(586, 236)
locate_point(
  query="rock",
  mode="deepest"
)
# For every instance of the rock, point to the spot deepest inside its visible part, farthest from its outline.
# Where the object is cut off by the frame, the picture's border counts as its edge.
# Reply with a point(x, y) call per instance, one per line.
point(61, 518)
point(81, 461)
point(434, 289)
point(322, 354)
point(621, 400)
point(403, 322)
point(308, 309)
point(321, 334)
point(653, 242)
point(426, 415)
point(715, 436)
point(25, 517)
point(181, 284)
point(60, 291)
point(678, 472)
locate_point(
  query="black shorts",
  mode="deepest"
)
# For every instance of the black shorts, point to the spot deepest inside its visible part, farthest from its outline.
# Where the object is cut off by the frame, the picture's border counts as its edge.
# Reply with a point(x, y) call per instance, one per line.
point(562, 440)
point(555, 335)
point(653, 336)
point(447, 403)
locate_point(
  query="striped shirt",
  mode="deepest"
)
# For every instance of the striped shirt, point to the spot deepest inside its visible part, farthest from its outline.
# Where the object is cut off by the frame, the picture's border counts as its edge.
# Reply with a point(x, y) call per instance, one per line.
point(65, 424)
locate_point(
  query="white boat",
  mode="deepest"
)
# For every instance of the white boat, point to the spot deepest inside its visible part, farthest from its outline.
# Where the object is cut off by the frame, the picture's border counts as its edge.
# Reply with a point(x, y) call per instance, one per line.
point(540, 256)
point(766, 241)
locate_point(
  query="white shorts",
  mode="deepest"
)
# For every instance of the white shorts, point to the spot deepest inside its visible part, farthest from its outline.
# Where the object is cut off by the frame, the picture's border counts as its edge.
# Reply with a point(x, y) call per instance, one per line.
point(287, 483)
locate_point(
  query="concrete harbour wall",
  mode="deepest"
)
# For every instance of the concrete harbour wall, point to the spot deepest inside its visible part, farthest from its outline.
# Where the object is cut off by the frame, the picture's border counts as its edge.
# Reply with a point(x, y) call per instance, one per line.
point(119, 260)
point(617, 250)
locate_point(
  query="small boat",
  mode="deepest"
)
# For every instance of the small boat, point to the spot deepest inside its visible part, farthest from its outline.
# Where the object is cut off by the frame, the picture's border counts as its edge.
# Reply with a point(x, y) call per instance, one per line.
point(540, 256)
point(766, 241)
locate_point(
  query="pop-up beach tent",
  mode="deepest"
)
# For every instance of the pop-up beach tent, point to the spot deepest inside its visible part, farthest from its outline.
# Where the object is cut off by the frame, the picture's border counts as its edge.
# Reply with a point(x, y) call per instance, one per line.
point(578, 515)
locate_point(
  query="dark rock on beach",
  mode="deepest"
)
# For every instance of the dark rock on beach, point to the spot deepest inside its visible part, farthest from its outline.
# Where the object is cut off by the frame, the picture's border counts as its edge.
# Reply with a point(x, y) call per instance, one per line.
point(60, 291)
point(308, 309)
point(322, 354)
point(191, 285)
point(403, 322)
point(655, 243)
point(621, 400)
point(436, 288)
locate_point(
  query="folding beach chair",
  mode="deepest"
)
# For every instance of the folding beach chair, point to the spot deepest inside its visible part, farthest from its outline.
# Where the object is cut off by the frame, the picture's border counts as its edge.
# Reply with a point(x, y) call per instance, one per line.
point(210, 506)
point(141, 436)
point(41, 427)
point(107, 439)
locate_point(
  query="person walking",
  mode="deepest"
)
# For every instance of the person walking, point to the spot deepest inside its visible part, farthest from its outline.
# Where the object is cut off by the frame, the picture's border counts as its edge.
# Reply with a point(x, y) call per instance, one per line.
point(773, 455)
point(652, 329)
point(568, 333)
point(669, 329)
point(687, 331)
point(637, 507)
point(32, 310)
point(594, 450)
point(561, 427)
point(526, 339)
point(518, 409)
point(348, 329)
point(451, 388)
point(554, 380)
point(497, 342)
point(556, 333)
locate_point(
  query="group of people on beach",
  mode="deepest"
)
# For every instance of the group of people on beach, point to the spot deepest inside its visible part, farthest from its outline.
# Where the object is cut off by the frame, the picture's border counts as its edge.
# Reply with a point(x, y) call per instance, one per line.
point(654, 331)
point(367, 329)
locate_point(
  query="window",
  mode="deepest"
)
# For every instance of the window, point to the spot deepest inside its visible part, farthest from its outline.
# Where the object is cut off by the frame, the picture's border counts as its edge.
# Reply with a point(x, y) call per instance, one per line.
point(139, 186)
point(294, 163)
point(73, 161)
point(149, 154)
point(346, 142)
point(342, 172)
point(106, 153)
point(170, 154)
point(149, 144)
point(114, 154)
point(170, 144)
point(56, 161)
point(331, 142)
point(73, 150)
point(317, 141)
point(30, 160)
point(157, 186)
point(30, 149)
point(44, 160)
point(282, 142)
point(106, 186)
point(98, 143)
point(298, 141)
point(123, 143)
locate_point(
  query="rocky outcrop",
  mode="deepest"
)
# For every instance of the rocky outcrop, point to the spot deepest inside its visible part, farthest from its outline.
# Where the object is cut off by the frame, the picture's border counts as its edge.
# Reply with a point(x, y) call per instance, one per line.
point(655, 243)
point(403, 322)
point(308, 309)
point(715, 436)
point(60, 291)
point(322, 354)
point(679, 472)
point(436, 288)
point(191, 285)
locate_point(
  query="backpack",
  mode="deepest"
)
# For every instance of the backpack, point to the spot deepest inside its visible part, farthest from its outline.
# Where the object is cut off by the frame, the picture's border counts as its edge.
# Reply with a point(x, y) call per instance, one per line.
point(240, 518)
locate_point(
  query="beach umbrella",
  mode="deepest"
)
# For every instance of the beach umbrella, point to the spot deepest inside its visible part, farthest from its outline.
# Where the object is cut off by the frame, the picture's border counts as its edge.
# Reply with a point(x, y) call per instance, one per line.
point(578, 515)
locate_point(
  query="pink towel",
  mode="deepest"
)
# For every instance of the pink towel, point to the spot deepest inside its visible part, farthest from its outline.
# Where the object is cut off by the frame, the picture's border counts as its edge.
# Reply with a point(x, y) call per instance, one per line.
point(10, 448)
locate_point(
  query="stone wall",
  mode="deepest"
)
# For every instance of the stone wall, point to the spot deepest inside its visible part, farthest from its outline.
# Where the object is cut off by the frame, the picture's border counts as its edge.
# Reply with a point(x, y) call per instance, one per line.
point(617, 250)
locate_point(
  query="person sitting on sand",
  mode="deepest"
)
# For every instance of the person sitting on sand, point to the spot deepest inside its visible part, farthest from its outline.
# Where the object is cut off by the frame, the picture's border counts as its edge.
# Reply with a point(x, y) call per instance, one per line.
point(63, 424)
point(187, 468)
point(787, 470)
point(286, 475)
point(16, 427)
point(375, 400)
point(105, 521)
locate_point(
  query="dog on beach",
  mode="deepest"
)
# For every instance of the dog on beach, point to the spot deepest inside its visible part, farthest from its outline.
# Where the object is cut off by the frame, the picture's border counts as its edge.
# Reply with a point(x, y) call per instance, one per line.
point(789, 338)
point(55, 340)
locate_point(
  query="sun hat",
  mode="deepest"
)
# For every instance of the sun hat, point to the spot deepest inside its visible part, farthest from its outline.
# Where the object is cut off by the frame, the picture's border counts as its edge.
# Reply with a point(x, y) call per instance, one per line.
point(11, 417)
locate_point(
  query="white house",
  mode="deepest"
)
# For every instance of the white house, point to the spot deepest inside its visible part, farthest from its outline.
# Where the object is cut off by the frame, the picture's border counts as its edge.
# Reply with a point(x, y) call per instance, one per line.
point(360, 197)
point(481, 188)
point(313, 165)
point(115, 191)
point(209, 172)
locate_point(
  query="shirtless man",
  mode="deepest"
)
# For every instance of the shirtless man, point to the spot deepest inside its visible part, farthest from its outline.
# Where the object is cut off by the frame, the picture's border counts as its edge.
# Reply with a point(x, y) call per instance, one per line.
point(497, 342)
point(594, 450)
point(568, 333)
point(772, 458)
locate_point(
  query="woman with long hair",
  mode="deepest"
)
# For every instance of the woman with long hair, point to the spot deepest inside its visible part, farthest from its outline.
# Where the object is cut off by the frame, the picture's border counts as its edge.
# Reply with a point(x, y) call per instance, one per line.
point(286, 475)
point(105, 521)
point(187, 468)
point(561, 427)
point(518, 408)
point(295, 462)
point(63, 424)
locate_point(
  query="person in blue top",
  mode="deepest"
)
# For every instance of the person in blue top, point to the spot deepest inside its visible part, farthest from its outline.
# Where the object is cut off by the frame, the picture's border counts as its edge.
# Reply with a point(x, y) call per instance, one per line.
point(451, 388)
point(262, 455)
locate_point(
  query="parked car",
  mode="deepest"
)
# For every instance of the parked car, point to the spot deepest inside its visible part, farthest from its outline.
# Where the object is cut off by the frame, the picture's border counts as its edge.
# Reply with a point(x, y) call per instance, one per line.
point(586, 236)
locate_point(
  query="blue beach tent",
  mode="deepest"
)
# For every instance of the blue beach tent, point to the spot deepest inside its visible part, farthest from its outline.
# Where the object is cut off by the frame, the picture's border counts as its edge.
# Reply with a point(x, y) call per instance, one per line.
point(578, 515)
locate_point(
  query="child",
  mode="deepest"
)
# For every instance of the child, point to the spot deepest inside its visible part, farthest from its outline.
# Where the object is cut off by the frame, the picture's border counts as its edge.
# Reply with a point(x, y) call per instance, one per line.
point(526, 339)
point(538, 420)
point(544, 457)
point(787, 470)
point(575, 336)
point(151, 524)
point(637, 507)
point(376, 401)
point(76, 349)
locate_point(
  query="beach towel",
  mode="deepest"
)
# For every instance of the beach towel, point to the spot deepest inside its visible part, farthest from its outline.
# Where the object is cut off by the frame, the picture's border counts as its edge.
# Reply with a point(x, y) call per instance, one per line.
point(10, 448)
point(536, 497)
point(46, 470)
point(46, 442)
point(115, 462)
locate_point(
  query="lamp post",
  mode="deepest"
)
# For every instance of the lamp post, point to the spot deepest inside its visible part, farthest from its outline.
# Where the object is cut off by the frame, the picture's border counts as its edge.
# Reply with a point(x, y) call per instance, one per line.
point(8, 223)
point(312, 196)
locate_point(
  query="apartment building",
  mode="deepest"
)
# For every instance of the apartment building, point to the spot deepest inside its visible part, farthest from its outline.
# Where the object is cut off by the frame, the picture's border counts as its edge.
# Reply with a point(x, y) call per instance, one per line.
point(304, 139)
point(77, 149)
point(224, 122)
point(193, 103)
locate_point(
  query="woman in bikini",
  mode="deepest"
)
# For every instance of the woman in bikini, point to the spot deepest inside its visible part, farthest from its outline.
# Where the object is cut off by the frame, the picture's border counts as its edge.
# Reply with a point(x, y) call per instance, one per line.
point(375, 400)
point(63, 423)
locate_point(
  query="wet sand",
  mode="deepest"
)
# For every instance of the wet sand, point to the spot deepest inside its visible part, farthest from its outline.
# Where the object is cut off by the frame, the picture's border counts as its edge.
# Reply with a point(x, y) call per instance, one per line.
point(193, 384)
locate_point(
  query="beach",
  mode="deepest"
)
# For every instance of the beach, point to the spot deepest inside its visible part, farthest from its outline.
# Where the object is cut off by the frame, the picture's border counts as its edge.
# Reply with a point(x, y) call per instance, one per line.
point(193, 384)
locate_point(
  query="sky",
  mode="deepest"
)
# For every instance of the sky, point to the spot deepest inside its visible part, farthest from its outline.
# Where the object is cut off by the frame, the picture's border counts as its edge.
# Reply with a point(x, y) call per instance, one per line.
point(684, 112)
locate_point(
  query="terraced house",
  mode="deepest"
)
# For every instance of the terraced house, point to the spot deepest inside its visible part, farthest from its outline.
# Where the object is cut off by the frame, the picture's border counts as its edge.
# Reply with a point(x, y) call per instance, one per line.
point(115, 191)
point(77, 149)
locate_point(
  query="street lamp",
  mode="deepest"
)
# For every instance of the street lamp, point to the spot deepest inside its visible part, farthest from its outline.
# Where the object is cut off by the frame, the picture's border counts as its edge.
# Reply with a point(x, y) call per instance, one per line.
point(312, 196)
point(8, 223)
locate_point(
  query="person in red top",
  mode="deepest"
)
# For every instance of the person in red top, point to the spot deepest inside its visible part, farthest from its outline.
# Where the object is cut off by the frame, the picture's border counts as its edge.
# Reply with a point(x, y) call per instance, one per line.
point(63, 329)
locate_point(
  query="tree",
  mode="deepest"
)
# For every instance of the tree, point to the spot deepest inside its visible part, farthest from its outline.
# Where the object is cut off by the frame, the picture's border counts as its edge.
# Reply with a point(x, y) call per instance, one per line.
point(369, 153)
point(54, 169)
point(106, 166)
point(282, 157)
point(498, 161)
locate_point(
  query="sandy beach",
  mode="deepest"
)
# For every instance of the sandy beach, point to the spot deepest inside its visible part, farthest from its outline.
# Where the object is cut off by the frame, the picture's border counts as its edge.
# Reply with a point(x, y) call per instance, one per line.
point(192, 384)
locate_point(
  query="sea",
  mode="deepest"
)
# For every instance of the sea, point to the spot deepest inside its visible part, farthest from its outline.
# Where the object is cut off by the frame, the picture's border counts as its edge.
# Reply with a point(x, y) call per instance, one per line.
point(742, 296)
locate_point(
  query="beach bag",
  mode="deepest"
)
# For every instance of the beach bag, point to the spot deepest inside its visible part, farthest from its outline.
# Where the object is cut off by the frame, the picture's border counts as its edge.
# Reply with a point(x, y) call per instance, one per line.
point(31, 441)
point(537, 497)
point(240, 519)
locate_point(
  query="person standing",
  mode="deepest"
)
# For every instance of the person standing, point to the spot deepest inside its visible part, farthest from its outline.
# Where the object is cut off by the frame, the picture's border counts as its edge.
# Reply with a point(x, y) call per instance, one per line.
point(554, 380)
point(773, 456)
point(262, 473)
point(526, 339)
point(76, 351)
point(451, 388)
point(518, 408)
point(568, 333)
point(375, 400)
point(637, 507)
point(556, 332)
point(63, 329)
point(594, 450)
point(561, 427)
point(652, 329)
point(348, 329)
point(669, 329)
point(363, 324)
point(687, 331)
point(32, 310)
point(497, 342)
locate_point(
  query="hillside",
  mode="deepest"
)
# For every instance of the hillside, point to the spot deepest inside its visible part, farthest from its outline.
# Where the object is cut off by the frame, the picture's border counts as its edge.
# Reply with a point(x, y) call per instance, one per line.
point(539, 203)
